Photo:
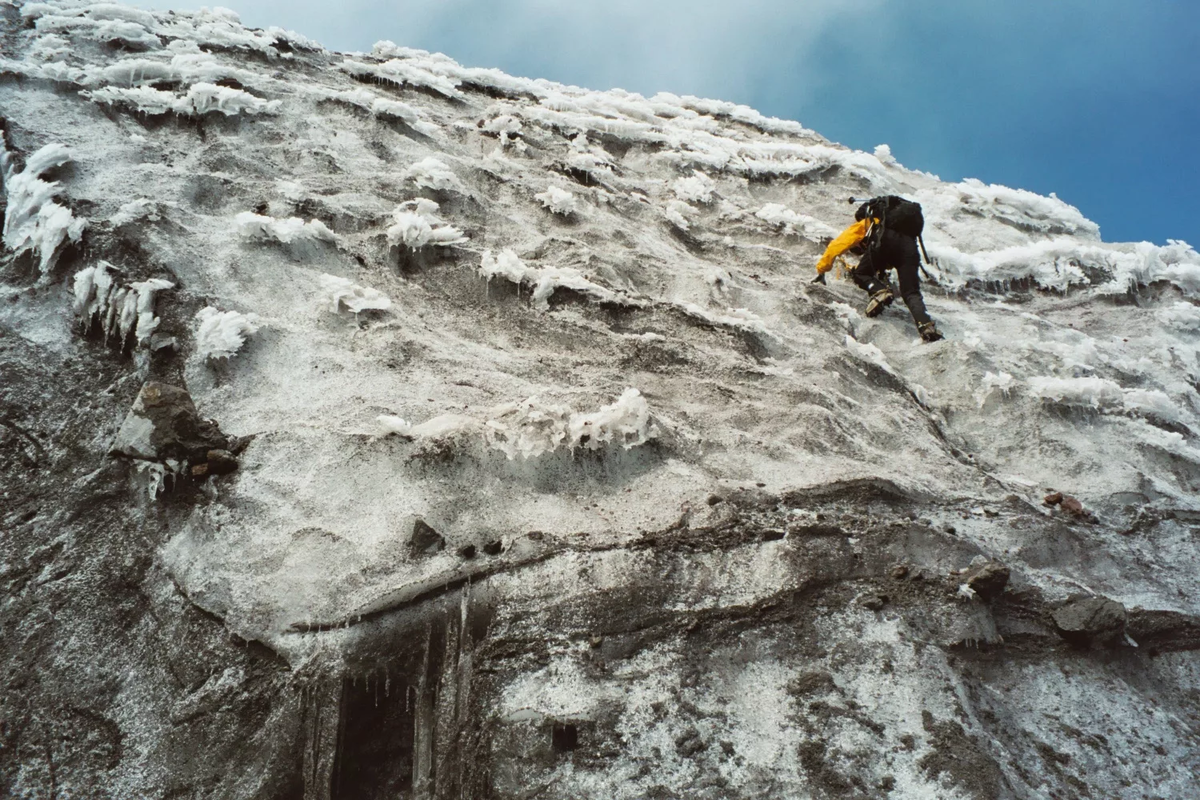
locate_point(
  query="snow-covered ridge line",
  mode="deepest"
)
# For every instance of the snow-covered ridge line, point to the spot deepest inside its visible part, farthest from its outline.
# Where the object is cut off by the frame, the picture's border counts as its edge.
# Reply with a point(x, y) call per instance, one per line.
point(615, 102)
point(150, 31)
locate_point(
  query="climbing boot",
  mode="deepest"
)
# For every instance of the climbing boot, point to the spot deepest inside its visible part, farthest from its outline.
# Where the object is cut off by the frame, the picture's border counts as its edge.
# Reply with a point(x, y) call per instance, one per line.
point(929, 332)
point(879, 301)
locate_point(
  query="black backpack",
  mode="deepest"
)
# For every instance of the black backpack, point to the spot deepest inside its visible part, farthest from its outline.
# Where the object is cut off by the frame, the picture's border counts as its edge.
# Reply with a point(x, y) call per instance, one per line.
point(894, 214)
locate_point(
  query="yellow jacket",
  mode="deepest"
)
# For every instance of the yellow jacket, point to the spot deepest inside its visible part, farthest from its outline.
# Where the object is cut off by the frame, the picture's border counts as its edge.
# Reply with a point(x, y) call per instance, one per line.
point(845, 240)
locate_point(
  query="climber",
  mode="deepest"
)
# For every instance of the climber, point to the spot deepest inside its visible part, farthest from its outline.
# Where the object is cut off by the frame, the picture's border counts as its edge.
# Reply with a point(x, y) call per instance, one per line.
point(885, 231)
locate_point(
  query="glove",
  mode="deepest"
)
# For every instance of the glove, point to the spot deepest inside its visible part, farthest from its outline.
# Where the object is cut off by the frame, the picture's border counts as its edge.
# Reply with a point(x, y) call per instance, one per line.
point(820, 278)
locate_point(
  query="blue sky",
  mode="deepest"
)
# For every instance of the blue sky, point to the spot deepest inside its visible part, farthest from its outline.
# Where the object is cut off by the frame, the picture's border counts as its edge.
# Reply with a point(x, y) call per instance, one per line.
point(1095, 100)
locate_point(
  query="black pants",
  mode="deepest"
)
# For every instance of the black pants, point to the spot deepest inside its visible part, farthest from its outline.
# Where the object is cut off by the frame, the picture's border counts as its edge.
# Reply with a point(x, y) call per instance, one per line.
point(899, 252)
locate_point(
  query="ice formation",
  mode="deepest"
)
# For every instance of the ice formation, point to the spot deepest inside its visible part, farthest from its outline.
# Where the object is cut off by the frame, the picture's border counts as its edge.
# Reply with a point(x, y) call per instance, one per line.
point(431, 173)
point(200, 99)
point(558, 201)
point(33, 220)
point(120, 310)
point(544, 280)
point(535, 427)
point(221, 334)
point(417, 224)
point(384, 107)
point(285, 231)
point(341, 293)
point(679, 213)
point(791, 222)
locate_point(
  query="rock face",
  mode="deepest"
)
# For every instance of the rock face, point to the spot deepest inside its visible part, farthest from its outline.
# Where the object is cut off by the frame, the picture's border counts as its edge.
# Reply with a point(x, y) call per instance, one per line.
point(163, 424)
point(684, 516)
point(1088, 620)
point(988, 579)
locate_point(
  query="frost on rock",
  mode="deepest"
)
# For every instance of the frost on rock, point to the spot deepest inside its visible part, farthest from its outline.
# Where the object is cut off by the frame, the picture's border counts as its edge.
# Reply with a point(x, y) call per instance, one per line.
point(545, 280)
point(285, 231)
point(792, 223)
point(742, 319)
point(221, 334)
point(696, 188)
point(1064, 262)
point(416, 224)
point(534, 427)
point(991, 381)
point(1102, 394)
point(558, 201)
point(201, 98)
point(133, 211)
point(102, 22)
point(431, 173)
point(183, 67)
point(33, 221)
point(1180, 316)
point(404, 72)
point(119, 310)
point(679, 214)
point(405, 113)
point(344, 294)
point(588, 159)
point(505, 127)
point(383, 107)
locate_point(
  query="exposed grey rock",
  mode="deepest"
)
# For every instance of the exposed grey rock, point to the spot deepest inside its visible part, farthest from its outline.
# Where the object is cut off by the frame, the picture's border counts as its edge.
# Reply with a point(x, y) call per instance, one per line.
point(164, 424)
point(425, 539)
point(1090, 619)
point(987, 580)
